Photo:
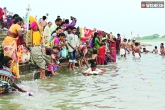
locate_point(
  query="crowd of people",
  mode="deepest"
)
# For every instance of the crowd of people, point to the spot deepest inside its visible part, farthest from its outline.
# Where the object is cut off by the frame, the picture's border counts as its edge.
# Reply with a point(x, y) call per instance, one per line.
point(52, 41)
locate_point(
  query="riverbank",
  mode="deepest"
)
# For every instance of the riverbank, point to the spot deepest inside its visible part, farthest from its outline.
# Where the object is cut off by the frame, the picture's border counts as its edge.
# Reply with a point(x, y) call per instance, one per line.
point(153, 40)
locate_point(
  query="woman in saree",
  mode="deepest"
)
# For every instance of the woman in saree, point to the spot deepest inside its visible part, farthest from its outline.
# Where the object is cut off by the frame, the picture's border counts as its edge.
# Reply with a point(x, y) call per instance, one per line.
point(113, 49)
point(35, 32)
point(96, 41)
point(9, 45)
point(6, 77)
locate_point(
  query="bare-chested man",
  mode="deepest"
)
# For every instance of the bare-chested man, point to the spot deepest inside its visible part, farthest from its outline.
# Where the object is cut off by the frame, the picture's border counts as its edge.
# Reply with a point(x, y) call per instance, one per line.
point(133, 44)
point(123, 48)
point(136, 51)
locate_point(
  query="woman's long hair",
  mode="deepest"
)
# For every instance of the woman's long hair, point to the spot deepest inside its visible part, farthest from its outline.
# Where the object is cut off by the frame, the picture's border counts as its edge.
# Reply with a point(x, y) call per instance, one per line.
point(95, 36)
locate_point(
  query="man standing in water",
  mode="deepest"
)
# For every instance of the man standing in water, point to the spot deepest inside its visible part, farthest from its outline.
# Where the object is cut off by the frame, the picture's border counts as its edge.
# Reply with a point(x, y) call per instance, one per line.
point(118, 41)
point(136, 51)
point(123, 48)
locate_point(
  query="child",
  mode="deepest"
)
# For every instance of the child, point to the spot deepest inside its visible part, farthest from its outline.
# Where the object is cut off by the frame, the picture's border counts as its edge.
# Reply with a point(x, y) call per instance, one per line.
point(93, 70)
point(73, 43)
point(52, 67)
point(136, 51)
point(62, 45)
point(155, 51)
point(5, 64)
point(101, 54)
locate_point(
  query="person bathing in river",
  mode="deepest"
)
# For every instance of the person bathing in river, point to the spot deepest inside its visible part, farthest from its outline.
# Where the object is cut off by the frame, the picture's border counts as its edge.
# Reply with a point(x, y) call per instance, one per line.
point(145, 50)
point(93, 70)
point(161, 48)
point(94, 55)
point(118, 41)
point(82, 51)
point(129, 46)
point(123, 48)
point(136, 51)
point(132, 44)
point(155, 51)
point(162, 51)
point(101, 54)
point(52, 67)
point(7, 75)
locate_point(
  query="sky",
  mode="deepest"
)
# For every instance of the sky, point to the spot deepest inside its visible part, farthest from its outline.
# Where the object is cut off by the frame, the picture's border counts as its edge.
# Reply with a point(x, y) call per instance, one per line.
point(116, 16)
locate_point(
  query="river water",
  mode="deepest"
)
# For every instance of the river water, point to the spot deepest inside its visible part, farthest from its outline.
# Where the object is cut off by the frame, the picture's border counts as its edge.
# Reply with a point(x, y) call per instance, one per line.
point(127, 85)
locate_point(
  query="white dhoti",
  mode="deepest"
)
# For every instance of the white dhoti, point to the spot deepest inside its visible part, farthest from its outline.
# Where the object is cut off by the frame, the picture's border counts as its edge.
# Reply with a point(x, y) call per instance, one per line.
point(137, 55)
point(122, 51)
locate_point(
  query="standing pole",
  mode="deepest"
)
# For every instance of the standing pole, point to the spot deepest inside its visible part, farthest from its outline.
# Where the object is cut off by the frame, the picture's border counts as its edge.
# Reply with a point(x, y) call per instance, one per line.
point(131, 35)
point(27, 23)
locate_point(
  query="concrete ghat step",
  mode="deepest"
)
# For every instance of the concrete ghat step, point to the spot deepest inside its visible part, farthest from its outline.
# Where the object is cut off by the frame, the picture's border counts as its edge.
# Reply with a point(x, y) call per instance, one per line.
point(23, 68)
point(1, 38)
point(1, 42)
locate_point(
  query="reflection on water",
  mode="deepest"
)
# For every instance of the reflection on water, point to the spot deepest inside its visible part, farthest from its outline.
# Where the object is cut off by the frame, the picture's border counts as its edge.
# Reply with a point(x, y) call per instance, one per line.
point(127, 85)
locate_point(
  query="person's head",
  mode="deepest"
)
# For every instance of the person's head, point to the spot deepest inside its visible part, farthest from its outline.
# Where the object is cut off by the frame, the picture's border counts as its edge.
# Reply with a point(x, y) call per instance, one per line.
point(144, 49)
point(63, 24)
point(58, 21)
point(118, 35)
point(58, 30)
point(110, 32)
point(114, 39)
point(94, 30)
point(87, 42)
point(74, 30)
point(136, 44)
point(58, 16)
point(104, 39)
point(125, 40)
point(129, 40)
point(61, 36)
point(15, 15)
point(7, 61)
point(93, 66)
point(49, 24)
point(96, 34)
point(92, 61)
point(162, 44)
point(56, 49)
point(44, 17)
point(133, 41)
point(155, 47)
point(102, 44)
point(18, 20)
point(67, 21)
point(69, 29)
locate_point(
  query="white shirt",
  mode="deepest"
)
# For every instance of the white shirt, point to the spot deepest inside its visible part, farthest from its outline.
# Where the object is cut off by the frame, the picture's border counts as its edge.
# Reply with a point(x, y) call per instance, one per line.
point(73, 40)
point(97, 71)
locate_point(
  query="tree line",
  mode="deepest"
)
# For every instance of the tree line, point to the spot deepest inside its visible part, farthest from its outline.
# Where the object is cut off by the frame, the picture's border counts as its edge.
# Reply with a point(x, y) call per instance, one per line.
point(150, 37)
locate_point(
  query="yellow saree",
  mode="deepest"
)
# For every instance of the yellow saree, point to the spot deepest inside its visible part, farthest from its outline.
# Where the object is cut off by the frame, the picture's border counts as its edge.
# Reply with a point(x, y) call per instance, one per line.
point(36, 36)
point(10, 49)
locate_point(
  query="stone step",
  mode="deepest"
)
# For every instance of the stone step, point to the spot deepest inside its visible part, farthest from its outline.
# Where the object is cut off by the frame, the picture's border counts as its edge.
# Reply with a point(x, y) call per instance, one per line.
point(1, 42)
point(1, 38)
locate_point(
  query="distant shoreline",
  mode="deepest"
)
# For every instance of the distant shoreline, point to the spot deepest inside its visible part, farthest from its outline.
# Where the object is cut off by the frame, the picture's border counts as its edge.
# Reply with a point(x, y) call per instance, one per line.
point(153, 40)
